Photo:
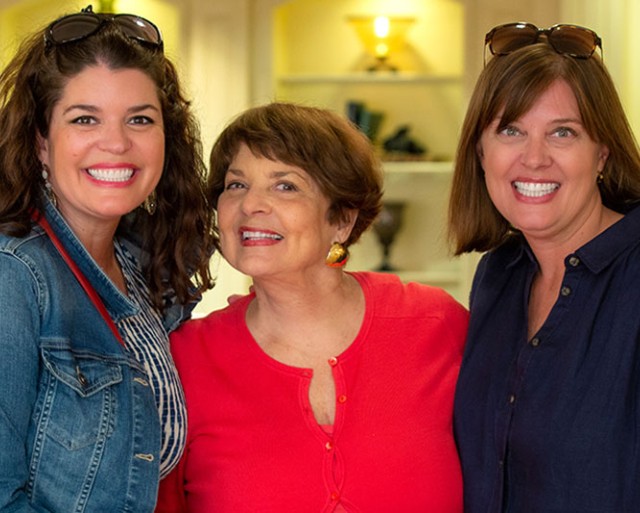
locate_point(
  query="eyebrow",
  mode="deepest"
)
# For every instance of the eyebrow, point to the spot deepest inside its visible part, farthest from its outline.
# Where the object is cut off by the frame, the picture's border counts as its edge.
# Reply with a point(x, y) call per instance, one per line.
point(94, 108)
point(273, 174)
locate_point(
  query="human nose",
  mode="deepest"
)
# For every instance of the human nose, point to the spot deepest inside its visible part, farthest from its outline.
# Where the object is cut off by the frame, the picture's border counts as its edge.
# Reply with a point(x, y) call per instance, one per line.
point(255, 201)
point(114, 138)
point(535, 153)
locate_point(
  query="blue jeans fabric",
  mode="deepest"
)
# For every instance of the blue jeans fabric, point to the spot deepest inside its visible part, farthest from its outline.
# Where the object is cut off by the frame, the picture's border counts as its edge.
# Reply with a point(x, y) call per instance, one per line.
point(79, 427)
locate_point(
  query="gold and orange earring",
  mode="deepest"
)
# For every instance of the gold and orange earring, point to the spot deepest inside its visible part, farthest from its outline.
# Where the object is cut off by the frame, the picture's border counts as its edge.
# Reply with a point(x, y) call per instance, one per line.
point(337, 256)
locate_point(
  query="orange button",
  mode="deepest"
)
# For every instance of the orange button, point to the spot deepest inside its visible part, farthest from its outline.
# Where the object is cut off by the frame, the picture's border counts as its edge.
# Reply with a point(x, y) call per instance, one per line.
point(333, 361)
point(342, 399)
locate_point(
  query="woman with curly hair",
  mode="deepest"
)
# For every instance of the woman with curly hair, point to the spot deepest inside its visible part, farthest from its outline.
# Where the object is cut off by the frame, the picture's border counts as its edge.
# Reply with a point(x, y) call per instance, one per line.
point(105, 239)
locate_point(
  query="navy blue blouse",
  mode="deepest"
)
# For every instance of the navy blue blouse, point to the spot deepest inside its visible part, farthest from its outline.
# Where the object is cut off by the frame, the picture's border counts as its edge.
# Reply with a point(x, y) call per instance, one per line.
point(552, 424)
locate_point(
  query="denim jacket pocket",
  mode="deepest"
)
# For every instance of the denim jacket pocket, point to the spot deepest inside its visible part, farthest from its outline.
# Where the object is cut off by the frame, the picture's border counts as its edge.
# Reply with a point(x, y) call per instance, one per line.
point(81, 400)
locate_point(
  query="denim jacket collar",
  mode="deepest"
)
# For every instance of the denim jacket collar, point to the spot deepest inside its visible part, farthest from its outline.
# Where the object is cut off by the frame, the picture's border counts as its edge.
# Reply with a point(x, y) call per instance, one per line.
point(118, 305)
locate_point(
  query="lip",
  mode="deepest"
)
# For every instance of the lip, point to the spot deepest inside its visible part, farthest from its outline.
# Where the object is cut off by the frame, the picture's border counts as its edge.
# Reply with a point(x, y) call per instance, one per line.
point(112, 175)
point(251, 236)
point(535, 190)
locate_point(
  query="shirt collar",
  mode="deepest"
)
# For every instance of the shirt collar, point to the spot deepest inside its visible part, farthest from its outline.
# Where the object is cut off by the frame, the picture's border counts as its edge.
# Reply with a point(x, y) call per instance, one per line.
point(599, 252)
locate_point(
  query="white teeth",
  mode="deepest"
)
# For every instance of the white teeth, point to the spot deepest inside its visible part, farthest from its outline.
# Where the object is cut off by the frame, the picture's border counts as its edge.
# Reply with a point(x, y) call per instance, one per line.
point(535, 190)
point(260, 235)
point(111, 175)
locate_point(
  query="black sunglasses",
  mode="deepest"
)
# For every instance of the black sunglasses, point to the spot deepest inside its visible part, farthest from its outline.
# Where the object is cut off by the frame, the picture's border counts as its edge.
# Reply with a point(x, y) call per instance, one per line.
point(79, 26)
point(572, 40)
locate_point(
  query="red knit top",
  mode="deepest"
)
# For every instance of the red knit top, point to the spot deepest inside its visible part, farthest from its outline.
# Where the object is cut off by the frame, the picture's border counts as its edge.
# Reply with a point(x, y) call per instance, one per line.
point(253, 444)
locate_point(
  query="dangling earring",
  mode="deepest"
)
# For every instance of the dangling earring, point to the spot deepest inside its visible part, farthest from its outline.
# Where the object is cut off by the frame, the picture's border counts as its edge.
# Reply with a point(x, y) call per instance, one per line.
point(337, 256)
point(47, 185)
point(150, 203)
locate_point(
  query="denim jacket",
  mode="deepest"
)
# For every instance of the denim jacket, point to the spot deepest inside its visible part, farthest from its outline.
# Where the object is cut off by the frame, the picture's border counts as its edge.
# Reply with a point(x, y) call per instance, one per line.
point(79, 427)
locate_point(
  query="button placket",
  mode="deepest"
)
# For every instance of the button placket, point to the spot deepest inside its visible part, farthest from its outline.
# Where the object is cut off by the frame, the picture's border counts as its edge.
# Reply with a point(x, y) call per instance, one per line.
point(333, 466)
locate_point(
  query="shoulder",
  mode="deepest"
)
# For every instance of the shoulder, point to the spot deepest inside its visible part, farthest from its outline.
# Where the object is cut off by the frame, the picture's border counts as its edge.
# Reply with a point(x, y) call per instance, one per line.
point(30, 253)
point(391, 296)
point(414, 315)
point(202, 335)
point(414, 311)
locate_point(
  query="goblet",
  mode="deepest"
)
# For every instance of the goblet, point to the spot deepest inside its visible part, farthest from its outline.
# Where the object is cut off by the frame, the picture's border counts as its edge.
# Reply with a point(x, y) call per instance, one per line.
point(386, 227)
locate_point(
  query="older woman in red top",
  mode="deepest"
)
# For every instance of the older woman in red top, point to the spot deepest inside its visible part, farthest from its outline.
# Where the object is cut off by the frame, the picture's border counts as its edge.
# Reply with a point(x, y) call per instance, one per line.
point(322, 390)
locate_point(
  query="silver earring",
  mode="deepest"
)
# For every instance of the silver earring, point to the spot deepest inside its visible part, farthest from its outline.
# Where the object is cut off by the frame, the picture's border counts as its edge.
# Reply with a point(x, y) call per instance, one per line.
point(47, 185)
point(150, 203)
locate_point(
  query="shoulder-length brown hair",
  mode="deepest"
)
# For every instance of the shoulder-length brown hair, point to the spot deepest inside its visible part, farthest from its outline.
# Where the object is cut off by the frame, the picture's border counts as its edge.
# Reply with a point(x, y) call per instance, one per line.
point(328, 147)
point(180, 237)
point(509, 85)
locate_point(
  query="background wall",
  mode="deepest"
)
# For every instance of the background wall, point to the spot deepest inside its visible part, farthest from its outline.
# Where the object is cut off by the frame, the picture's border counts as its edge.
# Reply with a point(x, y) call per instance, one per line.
point(231, 52)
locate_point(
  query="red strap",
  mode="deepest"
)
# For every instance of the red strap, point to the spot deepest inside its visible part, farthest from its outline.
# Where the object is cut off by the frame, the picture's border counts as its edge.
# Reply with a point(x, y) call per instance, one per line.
point(88, 288)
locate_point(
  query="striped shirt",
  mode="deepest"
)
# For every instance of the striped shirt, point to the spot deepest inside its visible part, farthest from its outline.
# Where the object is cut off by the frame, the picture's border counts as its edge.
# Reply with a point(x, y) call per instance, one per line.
point(146, 338)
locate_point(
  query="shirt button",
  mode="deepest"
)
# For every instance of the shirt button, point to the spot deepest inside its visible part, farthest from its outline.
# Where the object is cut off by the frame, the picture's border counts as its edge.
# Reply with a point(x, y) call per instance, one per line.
point(328, 446)
point(565, 291)
point(335, 496)
point(81, 377)
point(333, 361)
point(574, 261)
point(535, 341)
point(512, 399)
point(342, 399)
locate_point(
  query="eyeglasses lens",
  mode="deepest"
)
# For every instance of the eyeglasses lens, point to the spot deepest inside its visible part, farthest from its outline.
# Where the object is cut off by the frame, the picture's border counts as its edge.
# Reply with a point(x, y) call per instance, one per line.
point(138, 28)
point(507, 39)
point(573, 41)
point(74, 27)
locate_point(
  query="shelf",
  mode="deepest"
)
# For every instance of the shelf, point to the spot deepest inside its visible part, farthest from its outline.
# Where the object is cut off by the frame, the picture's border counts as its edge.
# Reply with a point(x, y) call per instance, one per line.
point(368, 78)
point(417, 166)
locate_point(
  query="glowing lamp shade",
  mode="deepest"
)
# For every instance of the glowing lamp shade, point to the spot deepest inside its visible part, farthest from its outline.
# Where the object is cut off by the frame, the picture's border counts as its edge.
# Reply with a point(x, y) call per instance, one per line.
point(381, 36)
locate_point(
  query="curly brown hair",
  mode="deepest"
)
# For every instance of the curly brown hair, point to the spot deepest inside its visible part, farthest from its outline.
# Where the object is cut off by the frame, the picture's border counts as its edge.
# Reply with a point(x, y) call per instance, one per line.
point(180, 238)
point(338, 156)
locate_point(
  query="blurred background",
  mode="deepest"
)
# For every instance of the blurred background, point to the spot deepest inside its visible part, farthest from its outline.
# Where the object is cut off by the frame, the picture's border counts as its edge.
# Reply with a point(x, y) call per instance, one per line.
point(402, 69)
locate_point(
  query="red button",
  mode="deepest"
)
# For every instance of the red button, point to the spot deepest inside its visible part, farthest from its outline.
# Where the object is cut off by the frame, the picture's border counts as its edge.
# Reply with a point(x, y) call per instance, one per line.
point(335, 496)
point(328, 446)
point(342, 399)
point(333, 361)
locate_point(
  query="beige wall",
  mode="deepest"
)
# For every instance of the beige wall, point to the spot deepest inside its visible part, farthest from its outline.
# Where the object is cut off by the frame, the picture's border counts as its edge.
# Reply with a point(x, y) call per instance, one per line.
point(224, 50)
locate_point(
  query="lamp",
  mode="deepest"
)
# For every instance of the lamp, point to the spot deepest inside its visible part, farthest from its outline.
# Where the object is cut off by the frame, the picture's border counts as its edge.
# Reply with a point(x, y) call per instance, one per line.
point(381, 36)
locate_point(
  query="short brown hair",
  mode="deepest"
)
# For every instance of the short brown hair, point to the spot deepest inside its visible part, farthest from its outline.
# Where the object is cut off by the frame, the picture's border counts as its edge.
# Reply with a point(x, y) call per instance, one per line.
point(511, 84)
point(328, 147)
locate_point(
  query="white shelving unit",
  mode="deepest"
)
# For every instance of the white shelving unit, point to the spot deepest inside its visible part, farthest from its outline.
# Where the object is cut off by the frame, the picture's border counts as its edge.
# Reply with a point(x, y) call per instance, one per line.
point(420, 252)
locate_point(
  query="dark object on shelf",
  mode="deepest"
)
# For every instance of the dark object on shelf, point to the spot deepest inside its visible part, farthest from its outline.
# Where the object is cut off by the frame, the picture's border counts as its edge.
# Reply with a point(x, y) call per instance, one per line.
point(401, 142)
point(368, 121)
point(354, 111)
point(386, 227)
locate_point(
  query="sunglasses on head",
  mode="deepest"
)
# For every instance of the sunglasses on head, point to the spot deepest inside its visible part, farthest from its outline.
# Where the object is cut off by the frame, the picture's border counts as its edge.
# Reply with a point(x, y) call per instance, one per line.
point(572, 40)
point(76, 27)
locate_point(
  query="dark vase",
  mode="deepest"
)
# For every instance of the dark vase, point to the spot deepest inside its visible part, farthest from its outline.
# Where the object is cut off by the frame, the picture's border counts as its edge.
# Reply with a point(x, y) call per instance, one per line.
point(386, 227)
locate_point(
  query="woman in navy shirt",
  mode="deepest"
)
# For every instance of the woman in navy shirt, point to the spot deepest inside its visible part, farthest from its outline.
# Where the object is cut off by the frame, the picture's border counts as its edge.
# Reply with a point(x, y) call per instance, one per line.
point(547, 411)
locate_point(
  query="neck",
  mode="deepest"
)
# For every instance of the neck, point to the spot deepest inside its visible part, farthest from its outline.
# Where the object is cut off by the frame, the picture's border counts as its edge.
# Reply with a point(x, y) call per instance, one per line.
point(550, 252)
point(97, 239)
point(294, 312)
